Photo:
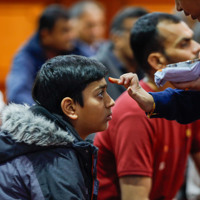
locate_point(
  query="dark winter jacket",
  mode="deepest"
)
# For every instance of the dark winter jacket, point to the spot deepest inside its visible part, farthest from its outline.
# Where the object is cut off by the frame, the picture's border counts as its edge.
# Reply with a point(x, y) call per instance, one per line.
point(42, 157)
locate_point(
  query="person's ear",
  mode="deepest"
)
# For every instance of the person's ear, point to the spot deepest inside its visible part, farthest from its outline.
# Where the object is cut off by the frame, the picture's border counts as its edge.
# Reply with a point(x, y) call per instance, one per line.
point(157, 61)
point(69, 108)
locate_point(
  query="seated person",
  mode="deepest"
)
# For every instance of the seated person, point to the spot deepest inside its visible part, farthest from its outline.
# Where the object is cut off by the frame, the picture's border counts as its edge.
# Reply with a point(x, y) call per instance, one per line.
point(43, 152)
point(117, 55)
point(89, 18)
point(141, 158)
point(53, 37)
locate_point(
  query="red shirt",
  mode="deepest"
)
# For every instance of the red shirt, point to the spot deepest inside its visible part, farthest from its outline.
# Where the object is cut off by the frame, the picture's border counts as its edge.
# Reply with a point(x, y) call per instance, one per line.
point(136, 145)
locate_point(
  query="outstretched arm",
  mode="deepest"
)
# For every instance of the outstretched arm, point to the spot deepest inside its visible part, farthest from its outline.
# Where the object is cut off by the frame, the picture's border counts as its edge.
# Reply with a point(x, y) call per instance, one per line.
point(172, 104)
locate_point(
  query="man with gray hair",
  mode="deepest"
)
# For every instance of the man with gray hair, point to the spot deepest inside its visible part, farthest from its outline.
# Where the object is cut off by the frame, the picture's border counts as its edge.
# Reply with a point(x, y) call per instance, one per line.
point(89, 19)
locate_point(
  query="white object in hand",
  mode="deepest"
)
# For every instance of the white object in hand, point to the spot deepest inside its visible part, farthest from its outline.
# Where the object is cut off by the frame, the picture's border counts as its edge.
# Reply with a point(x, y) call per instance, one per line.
point(178, 72)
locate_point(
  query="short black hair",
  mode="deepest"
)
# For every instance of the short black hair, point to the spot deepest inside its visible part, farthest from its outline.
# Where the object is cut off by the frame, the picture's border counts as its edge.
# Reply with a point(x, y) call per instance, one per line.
point(65, 76)
point(51, 15)
point(145, 37)
point(129, 12)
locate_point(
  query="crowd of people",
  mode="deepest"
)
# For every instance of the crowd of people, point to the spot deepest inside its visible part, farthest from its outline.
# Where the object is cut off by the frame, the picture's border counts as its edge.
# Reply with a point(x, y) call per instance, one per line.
point(83, 117)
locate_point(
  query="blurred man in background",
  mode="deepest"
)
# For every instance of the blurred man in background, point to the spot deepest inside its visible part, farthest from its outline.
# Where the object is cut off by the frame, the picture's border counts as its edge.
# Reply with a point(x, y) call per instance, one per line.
point(53, 37)
point(89, 17)
point(117, 55)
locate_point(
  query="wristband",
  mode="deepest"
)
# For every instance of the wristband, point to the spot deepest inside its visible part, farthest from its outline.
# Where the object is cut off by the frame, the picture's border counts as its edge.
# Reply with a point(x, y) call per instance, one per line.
point(149, 114)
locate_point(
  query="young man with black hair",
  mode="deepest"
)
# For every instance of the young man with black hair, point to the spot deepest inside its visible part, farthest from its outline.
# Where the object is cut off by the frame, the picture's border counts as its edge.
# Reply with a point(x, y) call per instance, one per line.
point(43, 152)
point(53, 37)
point(147, 157)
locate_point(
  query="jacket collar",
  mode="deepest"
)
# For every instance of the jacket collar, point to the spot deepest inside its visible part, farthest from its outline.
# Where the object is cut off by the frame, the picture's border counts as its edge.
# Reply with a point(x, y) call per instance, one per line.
point(36, 126)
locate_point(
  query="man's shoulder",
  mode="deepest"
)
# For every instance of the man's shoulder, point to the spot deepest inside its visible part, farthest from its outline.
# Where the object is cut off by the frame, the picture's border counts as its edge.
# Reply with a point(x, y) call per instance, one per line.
point(31, 47)
point(103, 53)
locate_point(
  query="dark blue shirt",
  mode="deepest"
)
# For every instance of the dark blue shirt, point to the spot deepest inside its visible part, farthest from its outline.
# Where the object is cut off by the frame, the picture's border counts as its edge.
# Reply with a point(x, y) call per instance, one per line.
point(26, 64)
point(174, 104)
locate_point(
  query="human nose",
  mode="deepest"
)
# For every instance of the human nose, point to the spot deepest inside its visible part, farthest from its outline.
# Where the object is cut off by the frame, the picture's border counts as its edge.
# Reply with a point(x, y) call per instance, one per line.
point(196, 48)
point(109, 101)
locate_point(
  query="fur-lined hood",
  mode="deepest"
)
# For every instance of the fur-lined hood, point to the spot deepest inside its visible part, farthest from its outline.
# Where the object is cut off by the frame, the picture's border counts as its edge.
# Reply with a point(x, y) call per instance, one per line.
point(25, 126)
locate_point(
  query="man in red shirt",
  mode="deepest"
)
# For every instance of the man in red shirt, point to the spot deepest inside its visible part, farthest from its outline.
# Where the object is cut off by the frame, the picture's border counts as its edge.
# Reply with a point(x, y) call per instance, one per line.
point(141, 158)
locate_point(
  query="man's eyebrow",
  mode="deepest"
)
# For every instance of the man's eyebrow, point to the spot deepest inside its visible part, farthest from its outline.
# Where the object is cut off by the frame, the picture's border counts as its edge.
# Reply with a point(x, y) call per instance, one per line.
point(101, 87)
point(184, 39)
